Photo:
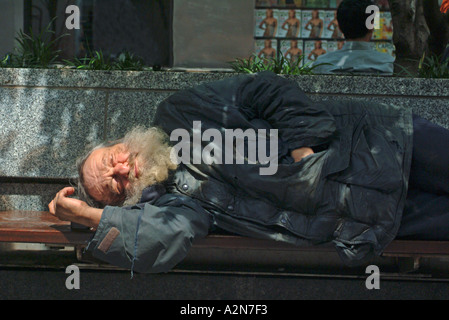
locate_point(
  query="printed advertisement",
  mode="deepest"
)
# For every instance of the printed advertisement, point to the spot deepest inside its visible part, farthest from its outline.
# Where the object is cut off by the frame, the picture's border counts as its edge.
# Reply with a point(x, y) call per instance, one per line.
point(266, 23)
point(289, 23)
point(314, 49)
point(291, 3)
point(316, 4)
point(292, 50)
point(312, 23)
point(266, 48)
point(334, 45)
point(331, 30)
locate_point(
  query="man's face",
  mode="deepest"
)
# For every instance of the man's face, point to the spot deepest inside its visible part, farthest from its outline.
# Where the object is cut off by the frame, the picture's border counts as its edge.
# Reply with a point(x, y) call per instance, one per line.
point(117, 175)
point(109, 173)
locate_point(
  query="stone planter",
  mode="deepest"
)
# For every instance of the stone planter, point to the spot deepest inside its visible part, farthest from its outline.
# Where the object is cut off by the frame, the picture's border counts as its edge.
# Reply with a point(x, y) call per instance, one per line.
point(47, 117)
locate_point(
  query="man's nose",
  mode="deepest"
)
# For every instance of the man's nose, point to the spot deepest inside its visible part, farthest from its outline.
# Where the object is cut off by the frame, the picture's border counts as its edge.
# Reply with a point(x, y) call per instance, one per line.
point(122, 169)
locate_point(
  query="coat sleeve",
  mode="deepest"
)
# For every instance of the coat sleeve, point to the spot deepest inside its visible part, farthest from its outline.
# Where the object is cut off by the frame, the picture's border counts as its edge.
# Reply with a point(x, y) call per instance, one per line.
point(279, 101)
point(300, 121)
point(149, 239)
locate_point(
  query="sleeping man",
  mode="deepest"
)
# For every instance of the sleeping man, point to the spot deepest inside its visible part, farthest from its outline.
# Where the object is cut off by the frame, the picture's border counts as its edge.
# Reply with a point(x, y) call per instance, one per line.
point(253, 155)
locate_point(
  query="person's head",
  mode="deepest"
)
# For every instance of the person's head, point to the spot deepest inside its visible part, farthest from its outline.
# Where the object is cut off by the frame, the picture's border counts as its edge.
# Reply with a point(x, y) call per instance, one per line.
point(317, 44)
point(267, 43)
point(116, 173)
point(294, 44)
point(352, 17)
point(269, 13)
point(291, 14)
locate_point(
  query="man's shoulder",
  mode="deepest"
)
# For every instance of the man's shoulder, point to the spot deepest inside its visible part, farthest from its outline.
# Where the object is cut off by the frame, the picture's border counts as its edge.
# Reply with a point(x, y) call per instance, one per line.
point(359, 60)
point(326, 62)
point(329, 57)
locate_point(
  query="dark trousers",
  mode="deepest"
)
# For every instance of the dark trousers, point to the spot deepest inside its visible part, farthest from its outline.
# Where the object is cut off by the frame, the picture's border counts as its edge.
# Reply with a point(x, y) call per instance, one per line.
point(426, 213)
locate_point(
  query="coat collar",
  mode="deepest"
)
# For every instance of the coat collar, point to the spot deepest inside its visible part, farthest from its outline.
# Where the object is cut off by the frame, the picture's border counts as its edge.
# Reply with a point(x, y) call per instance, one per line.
point(152, 193)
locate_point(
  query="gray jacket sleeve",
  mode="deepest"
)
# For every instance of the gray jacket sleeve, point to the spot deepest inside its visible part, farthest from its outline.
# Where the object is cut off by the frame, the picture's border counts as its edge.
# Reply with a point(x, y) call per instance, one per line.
point(149, 238)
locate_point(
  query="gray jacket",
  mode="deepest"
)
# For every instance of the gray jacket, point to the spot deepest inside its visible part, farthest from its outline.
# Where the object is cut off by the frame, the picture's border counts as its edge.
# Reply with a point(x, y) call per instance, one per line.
point(351, 191)
point(356, 57)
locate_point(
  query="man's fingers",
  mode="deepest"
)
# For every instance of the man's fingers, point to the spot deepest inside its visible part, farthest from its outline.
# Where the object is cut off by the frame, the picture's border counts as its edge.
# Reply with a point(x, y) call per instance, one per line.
point(67, 192)
point(51, 207)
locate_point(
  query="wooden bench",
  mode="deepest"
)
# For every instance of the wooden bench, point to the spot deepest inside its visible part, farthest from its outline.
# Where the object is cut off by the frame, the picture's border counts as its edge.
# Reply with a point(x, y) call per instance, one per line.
point(42, 227)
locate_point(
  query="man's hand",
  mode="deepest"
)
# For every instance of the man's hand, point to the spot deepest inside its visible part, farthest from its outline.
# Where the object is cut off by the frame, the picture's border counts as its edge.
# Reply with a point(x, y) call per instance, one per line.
point(69, 209)
point(299, 154)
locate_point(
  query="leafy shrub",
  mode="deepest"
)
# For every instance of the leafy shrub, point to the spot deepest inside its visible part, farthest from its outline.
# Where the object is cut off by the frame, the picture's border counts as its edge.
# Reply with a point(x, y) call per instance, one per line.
point(34, 50)
point(433, 66)
point(279, 66)
point(97, 60)
point(94, 61)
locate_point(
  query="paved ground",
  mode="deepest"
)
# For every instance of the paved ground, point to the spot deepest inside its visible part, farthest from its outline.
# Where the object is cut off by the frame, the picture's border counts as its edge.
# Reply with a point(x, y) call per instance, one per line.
point(50, 284)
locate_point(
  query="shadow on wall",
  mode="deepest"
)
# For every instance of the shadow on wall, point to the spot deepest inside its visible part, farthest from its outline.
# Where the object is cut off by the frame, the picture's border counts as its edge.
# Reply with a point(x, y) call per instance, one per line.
point(63, 121)
point(45, 128)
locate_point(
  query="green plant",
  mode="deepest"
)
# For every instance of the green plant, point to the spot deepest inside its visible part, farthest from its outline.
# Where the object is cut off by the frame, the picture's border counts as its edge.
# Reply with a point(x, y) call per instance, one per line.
point(34, 50)
point(39, 51)
point(5, 61)
point(94, 61)
point(128, 61)
point(97, 60)
point(279, 66)
point(432, 66)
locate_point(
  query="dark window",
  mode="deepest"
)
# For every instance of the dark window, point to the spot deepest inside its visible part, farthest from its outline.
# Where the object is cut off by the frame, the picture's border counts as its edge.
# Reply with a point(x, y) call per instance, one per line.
point(141, 27)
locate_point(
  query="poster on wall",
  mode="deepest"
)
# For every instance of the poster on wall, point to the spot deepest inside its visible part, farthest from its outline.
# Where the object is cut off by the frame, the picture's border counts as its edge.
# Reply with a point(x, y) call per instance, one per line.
point(291, 3)
point(385, 30)
point(316, 4)
point(266, 22)
point(292, 50)
point(331, 30)
point(386, 22)
point(314, 49)
point(289, 23)
point(333, 46)
point(266, 48)
point(312, 23)
point(291, 30)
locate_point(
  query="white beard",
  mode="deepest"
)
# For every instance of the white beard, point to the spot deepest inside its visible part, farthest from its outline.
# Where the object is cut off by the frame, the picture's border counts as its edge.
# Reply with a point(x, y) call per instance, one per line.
point(151, 149)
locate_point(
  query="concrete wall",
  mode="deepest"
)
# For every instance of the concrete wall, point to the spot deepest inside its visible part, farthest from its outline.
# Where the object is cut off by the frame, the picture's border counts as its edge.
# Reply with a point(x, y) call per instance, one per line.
point(11, 18)
point(210, 33)
point(47, 117)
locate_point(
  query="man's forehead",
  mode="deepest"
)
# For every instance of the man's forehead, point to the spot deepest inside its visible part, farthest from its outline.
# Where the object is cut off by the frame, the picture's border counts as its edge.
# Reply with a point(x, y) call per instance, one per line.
point(97, 158)
point(93, 165)
point(95, 168)
point(100, 155)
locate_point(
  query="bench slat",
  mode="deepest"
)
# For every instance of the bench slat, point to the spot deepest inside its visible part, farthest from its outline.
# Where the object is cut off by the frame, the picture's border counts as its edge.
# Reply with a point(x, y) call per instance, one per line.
point(42, 227)
point(38, 227)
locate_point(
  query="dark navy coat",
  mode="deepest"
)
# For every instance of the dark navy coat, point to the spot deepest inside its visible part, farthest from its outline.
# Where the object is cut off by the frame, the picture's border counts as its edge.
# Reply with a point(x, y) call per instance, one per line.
point(351, 191)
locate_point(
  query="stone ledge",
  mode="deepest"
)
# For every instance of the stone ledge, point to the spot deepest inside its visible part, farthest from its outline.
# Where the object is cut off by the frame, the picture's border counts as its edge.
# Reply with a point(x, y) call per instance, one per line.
point(170, 80)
